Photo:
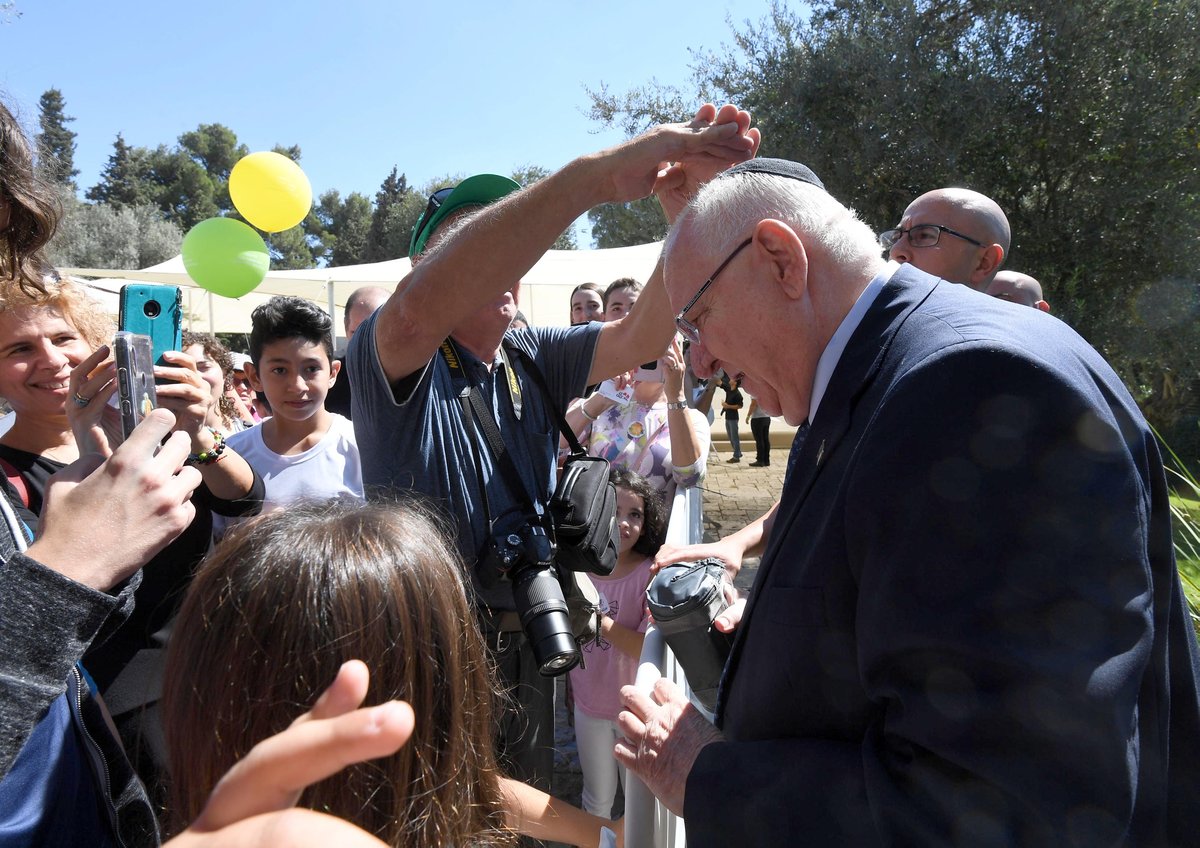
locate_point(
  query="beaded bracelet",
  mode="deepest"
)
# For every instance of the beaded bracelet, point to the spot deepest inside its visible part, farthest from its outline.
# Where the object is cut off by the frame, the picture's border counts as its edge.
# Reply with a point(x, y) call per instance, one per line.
point(213, 454)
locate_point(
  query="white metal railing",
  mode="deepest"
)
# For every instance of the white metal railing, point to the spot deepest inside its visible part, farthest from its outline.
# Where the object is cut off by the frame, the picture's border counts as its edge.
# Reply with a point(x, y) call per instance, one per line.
point(648, 824)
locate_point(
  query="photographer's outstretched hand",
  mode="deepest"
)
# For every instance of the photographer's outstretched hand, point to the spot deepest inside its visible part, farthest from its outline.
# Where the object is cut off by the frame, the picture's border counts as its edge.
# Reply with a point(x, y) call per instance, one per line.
point(677, 184)
point(673, 160)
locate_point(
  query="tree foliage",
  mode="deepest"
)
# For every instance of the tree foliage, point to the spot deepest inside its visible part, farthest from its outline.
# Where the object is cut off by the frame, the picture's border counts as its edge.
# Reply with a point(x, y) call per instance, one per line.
point(1080, 119)
point(386, 237)
point(625, 224)
point(56, 143)
point(104, 236)
point(123, 181)
point(342, 227)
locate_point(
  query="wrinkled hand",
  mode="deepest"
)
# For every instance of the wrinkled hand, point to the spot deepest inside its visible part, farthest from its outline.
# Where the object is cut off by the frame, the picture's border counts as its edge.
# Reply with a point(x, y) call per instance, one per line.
point(678, 184)
point(97, 426)
point(186, 394)
point(664, 734)
point(726, 551)
point(700, 148)
point(104, 518)
point(249, 807)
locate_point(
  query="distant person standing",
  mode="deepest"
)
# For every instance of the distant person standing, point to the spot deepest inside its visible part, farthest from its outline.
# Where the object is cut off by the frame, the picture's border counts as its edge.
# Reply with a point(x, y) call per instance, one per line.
point(359, 306)
point(731, 406)
point(760, 426)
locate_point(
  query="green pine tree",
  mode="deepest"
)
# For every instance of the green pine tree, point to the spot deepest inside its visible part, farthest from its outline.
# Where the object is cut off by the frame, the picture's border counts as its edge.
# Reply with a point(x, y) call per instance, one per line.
point(383, 241)
point(123, 181)
point(55, 141)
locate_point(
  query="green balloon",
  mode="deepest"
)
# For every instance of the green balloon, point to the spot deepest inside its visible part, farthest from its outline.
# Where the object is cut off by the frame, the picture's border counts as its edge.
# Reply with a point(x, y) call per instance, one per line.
point(225, 256)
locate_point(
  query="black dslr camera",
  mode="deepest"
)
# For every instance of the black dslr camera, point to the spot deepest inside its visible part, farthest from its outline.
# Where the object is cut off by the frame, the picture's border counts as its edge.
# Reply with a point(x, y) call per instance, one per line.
point(526, 555)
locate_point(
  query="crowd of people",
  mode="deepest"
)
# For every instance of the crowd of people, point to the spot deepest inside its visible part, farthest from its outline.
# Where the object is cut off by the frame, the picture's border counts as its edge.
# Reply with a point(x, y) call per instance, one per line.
point(966, 626)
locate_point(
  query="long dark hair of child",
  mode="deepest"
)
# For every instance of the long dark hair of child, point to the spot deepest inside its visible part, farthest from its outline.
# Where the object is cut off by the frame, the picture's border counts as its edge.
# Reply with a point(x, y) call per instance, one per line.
point(271, 616)
point(654, 516)
point(29, 202)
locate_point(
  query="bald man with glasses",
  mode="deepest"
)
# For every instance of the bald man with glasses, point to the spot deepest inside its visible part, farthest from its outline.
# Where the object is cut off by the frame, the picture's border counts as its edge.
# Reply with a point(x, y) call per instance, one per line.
point(953, 233)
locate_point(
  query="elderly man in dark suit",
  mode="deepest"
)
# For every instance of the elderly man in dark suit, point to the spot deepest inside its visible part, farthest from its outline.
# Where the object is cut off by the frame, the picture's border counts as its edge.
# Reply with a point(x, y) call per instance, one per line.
point(967, 627)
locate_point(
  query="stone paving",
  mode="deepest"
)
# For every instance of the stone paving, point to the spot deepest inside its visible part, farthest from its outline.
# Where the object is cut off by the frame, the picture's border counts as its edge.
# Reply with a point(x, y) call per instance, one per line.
point(735, 494)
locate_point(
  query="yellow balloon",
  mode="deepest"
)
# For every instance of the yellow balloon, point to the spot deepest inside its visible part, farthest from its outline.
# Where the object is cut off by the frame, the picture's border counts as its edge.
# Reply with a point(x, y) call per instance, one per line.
point(270, 190)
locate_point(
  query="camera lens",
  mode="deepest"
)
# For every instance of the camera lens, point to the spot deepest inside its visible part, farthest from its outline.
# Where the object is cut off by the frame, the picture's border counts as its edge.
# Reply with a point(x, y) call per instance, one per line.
point(543, 611)
point(152, 309)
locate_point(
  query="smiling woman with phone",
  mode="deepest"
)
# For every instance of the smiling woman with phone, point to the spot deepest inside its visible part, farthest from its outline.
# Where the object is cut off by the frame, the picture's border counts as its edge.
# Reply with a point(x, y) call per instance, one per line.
point(57, 374)
point(652, 432)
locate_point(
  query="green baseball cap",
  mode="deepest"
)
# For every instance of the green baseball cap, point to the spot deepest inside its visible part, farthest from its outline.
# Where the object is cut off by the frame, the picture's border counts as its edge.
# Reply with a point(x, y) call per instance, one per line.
point(479, 190)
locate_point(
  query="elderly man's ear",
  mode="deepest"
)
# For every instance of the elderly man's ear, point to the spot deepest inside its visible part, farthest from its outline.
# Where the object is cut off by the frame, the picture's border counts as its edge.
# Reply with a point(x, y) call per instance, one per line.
point(989, 263)
point(779, 247)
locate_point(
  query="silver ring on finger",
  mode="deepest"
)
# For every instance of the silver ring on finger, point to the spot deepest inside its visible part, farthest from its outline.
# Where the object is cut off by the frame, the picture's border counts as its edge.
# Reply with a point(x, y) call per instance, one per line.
point(80, 400)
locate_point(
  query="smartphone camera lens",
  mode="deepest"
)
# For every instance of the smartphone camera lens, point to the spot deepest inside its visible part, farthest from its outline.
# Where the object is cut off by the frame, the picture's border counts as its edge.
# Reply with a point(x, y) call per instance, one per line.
point(152, 309)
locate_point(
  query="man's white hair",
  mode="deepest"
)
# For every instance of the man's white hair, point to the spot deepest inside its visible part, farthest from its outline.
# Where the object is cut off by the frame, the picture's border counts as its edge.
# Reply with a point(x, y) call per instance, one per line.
point(724, 211)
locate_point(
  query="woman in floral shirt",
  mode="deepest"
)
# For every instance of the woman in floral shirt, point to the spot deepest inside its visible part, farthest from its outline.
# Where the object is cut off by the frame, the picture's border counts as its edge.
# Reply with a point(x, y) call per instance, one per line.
point(656, 434)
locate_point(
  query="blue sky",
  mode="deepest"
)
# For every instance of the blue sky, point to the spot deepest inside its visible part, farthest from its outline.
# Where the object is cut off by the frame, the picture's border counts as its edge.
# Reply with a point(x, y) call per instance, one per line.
point(433, 88)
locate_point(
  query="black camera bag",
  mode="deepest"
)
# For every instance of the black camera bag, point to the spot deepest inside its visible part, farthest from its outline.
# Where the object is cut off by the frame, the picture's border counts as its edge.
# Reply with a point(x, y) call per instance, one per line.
point(584, 507)
point(584, 504)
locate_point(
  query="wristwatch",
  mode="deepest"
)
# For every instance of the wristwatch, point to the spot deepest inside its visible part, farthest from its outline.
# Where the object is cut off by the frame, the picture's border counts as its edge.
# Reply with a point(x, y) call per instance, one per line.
point(677, 404)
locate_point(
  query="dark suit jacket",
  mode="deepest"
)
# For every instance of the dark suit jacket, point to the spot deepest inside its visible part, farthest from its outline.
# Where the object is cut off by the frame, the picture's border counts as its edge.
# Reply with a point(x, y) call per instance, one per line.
point(967, 627)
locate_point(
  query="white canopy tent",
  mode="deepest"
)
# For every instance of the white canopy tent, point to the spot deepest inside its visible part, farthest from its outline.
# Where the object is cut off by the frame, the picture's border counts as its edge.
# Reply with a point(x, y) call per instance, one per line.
point(545, 289)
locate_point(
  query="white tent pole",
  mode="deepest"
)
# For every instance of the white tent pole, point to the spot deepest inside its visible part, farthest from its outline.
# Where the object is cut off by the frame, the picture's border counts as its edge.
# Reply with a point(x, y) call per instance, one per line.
point(332, 314)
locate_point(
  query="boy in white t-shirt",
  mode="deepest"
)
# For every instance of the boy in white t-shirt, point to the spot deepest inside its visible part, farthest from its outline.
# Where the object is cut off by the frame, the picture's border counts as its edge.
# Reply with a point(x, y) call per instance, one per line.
point(303, 452)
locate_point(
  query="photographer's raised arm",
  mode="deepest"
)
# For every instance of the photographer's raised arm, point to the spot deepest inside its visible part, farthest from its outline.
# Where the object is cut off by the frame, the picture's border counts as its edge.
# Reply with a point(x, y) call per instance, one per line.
point(640, 336)
point(645, 332)
point(488, 256)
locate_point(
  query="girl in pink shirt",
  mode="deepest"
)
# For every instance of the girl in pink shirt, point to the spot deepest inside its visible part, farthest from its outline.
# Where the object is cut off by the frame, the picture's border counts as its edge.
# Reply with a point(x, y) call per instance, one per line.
point(611, 661)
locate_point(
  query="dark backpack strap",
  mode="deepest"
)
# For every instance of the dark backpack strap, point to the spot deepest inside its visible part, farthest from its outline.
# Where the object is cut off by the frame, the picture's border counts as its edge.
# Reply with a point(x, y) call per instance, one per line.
point(474, 409)
point(540, 380)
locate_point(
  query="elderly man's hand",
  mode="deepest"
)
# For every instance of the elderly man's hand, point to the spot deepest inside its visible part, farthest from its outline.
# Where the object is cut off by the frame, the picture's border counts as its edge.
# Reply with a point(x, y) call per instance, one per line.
point(663, 736)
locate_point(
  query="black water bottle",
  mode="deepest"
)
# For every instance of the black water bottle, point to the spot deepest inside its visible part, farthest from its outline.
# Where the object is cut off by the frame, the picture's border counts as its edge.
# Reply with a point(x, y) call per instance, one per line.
point(684, 599)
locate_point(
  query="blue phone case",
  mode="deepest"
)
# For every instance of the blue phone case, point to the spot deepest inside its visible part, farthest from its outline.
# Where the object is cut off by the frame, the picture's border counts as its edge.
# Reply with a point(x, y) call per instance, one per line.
point(148, 309)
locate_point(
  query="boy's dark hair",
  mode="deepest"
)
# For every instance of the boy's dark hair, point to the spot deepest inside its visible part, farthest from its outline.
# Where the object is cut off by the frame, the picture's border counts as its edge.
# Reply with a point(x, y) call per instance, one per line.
point(284, 317)
point(620, 284)
point(654, 523)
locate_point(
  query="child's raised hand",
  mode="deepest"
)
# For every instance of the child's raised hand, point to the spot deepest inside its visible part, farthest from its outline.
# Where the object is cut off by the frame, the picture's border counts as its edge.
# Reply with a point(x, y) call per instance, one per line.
point(320, 743)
